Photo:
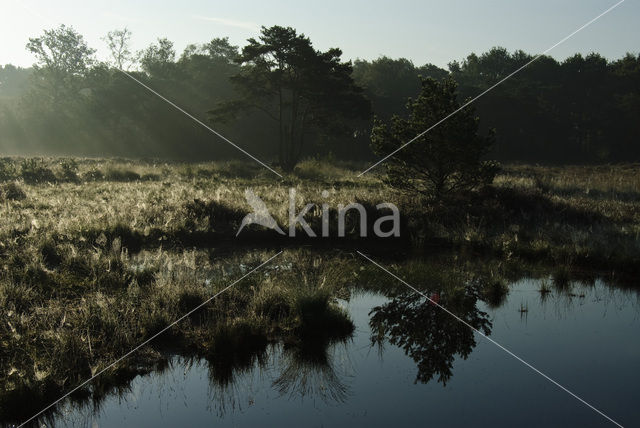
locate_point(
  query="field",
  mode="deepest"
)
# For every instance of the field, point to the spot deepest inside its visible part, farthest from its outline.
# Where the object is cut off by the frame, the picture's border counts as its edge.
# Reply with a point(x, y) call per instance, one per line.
point(97, 255)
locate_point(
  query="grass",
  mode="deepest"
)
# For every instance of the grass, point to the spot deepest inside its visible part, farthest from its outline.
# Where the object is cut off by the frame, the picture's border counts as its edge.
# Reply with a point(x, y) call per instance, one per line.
point(67, 312)
point(582, 216)
point(544, 288)
point(11, 191)
point(85, 271)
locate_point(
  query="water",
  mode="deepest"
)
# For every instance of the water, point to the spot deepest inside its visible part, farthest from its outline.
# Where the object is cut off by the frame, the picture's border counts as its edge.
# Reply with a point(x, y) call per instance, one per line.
point(585, 338)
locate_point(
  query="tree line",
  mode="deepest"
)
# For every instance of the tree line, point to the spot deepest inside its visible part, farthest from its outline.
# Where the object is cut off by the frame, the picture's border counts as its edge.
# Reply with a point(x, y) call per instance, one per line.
point(281, 99)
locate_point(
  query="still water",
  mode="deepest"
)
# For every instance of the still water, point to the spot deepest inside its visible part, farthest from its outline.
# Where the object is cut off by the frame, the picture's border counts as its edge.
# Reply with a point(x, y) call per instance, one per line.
point(587, 339)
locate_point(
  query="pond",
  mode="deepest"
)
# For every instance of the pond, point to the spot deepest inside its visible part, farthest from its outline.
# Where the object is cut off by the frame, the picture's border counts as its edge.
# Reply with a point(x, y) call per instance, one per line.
point(408, 363)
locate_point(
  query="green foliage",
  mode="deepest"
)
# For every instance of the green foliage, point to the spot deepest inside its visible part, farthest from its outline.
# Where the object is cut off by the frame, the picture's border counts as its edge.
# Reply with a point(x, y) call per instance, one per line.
point(61, 51)
point(158, 59)
point(298, 87)
point(447, 159)
point(63, 59)
point(118, 43)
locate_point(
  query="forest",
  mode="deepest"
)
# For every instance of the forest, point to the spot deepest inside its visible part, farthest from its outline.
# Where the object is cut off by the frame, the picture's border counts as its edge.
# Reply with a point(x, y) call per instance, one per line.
point(582, 110)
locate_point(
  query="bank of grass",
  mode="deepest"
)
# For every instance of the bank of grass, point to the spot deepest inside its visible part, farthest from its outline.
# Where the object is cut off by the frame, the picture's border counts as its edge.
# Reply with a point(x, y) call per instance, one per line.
point(65, 317)
point(587, 216)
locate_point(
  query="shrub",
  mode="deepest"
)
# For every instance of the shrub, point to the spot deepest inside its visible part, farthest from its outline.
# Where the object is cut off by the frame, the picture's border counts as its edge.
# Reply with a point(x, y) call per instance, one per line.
point(93, 175)
point(446, 160)
point(69, 170)
point(238, 169)
point(7, 170)
point(11, 191)
point(151, 177)
point(35, 171)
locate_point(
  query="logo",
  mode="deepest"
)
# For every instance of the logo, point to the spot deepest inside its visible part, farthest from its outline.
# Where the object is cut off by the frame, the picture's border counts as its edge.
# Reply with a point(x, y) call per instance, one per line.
point(261, 216)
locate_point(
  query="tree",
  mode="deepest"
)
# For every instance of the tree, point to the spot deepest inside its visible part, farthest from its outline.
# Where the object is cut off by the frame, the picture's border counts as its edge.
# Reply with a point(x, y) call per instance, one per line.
point(220, 47)
point(297, 86)
point(118, 43)
point(158, 60)
point(62, 58)
point(61, 50)
point(445, 160)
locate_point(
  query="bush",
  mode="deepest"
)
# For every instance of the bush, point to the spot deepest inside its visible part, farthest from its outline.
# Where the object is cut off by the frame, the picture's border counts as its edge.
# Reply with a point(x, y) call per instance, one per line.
point(11, 191)
point(35, 171)
point(273, 304)
point(494, 293)
point(93, 175)
point(446, 160)
point(69, 170)
point(151, 177)
point(7, 170)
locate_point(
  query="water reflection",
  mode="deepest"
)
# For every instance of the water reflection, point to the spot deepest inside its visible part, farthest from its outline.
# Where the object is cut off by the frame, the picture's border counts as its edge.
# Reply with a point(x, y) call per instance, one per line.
point(308, 369)
point(241, 364)
point(429, 335)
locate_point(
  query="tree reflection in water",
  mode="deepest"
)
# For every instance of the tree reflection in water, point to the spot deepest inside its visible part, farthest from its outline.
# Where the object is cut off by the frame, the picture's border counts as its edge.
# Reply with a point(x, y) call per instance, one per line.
point(426, 333)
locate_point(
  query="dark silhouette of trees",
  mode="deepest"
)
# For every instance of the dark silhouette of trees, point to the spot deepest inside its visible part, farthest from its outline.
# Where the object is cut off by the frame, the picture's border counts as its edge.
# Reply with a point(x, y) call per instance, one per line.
point(388, 82)
point(448, 159)
point(297, 86)
point(580, 110)
point(555, 112)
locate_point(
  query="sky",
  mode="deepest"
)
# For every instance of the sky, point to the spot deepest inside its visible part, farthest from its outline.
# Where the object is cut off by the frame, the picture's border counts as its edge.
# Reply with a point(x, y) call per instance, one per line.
point(423, 31)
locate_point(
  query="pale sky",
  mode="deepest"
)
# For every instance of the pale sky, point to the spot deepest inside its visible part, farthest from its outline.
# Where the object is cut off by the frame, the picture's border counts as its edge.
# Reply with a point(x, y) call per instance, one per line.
point(423, 31)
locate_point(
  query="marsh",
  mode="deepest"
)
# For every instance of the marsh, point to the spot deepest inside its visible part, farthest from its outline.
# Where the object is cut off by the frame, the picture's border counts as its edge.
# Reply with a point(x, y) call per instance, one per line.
point(319, 324)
